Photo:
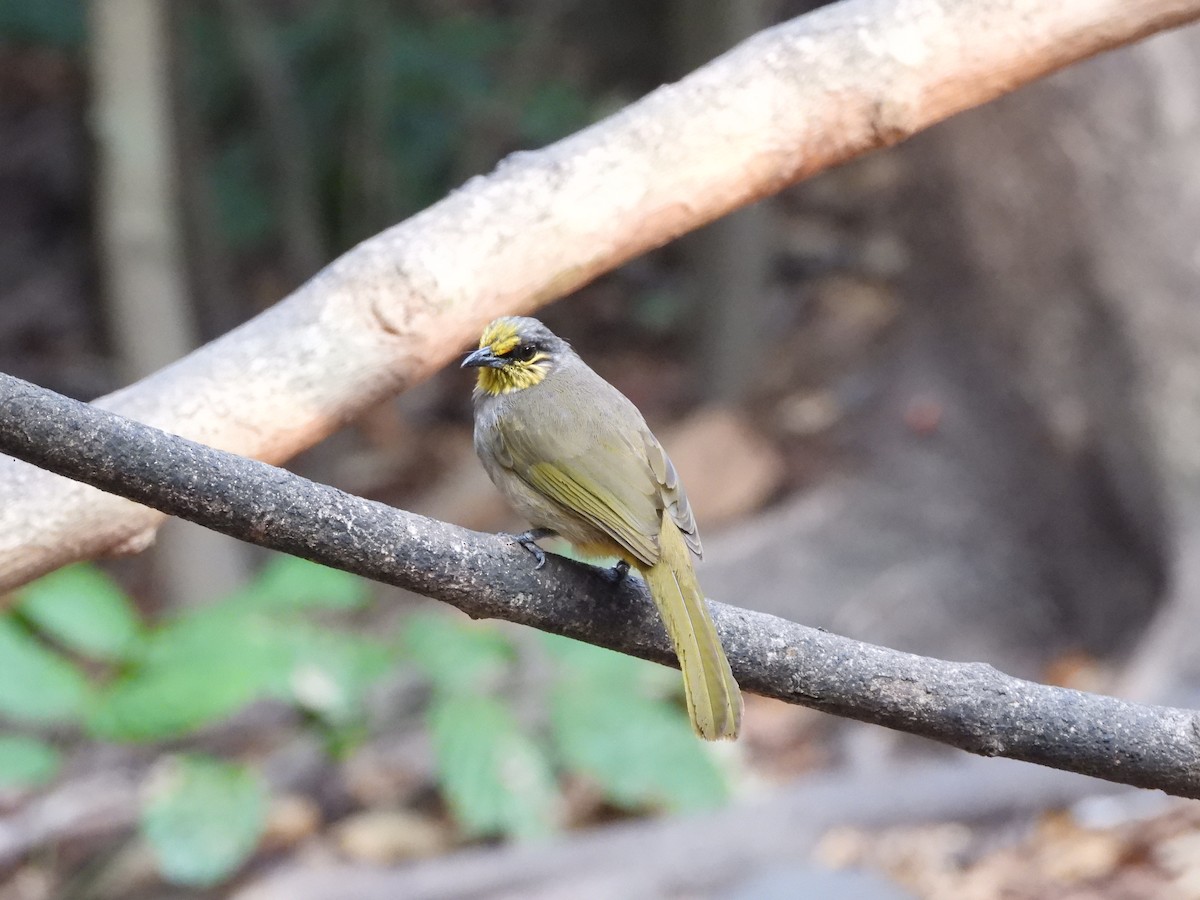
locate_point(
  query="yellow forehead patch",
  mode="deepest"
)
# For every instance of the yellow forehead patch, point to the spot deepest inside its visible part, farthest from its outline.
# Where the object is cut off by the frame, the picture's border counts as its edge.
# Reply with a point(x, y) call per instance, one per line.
point(501, 335)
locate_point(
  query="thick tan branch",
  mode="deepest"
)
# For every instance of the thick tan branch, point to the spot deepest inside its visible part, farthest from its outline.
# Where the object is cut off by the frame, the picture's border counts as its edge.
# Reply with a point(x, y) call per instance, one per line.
point(787, 103)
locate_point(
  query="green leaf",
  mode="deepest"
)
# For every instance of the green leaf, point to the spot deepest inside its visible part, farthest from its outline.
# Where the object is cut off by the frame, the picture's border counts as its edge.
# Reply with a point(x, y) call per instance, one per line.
point(200, 668)
point(609, 670)
point(36, 684)
point(614, 719)
point(456, 654)
point(203, 818)
point(26, 762)
point(223, 629)
point(495, 778)
point(291, 583)
point(210, 664)
point(84, 610)
point(640, 750)
point(329, 672)
point(170, 701)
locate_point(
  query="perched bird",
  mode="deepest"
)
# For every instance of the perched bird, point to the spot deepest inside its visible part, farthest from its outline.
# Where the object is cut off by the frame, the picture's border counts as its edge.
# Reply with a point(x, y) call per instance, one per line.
point(575, 458)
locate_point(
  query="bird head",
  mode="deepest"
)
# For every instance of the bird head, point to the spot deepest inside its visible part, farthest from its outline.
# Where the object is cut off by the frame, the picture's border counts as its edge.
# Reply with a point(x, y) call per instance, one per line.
point(515, 352)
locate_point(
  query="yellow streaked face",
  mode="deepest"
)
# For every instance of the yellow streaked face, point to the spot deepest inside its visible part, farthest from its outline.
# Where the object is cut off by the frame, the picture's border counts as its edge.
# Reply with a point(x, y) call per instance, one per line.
point(507, 360)
point(500, 336)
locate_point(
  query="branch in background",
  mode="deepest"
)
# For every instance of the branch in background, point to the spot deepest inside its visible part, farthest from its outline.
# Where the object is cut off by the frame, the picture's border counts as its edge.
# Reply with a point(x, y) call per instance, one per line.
point(732, 257)
point(789, 102)
point(967, 705)
point(146, 290)
point(274, 89)
point(137, 222)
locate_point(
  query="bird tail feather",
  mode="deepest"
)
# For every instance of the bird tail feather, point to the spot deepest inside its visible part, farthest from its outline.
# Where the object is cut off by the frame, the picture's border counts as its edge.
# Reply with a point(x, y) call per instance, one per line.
point(713, 698)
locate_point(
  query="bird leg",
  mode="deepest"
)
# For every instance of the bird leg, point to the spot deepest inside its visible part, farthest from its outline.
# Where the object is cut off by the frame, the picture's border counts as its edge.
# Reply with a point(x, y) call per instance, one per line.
point(528, 540)
point(618, 572)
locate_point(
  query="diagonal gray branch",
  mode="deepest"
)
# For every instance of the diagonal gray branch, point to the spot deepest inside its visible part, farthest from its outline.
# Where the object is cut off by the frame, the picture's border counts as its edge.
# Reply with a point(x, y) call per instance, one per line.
point(967, 705)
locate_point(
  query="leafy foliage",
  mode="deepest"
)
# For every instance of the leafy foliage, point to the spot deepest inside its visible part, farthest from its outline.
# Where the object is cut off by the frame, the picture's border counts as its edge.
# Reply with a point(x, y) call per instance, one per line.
point(290, 583)
point(609, 724)
point(612, 719)
point(211, 662)
point(164, 681)
point(496, 777)
point(26, 761)
point(76, 652)
point(168, 701)
point(38, 685)
point(86, 612)
point(203, 817)
point(403, 91)
point(457, 657)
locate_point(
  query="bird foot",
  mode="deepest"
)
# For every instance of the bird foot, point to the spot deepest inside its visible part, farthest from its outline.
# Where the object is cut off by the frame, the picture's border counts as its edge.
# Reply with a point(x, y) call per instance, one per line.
point(528, 540)
point(618, 572)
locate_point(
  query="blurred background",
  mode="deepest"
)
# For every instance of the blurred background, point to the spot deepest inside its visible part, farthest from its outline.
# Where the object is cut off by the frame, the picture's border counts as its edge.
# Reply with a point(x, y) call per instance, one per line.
point(945, 398)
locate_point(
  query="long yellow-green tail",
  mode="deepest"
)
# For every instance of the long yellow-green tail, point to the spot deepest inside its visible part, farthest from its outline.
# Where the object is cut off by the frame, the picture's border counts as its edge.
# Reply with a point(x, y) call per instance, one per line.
point(713, 699)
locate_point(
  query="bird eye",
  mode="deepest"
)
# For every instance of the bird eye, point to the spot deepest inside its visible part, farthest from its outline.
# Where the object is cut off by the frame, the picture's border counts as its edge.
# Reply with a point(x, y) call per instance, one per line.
point(525, 352)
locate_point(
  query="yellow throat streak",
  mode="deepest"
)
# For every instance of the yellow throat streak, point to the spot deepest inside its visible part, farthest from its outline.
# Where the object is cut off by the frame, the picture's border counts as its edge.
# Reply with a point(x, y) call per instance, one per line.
point(516, 376)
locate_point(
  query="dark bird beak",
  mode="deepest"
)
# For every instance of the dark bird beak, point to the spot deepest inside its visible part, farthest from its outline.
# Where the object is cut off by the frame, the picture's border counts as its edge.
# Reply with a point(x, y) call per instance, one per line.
point(482, 358)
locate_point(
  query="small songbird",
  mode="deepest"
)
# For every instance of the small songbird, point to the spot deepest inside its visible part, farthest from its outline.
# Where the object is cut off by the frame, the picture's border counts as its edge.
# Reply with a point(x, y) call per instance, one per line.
point(575, 458)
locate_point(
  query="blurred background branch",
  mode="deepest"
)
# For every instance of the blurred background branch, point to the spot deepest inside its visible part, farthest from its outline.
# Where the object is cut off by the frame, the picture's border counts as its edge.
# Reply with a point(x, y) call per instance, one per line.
point(731, 258)
point(139, 226)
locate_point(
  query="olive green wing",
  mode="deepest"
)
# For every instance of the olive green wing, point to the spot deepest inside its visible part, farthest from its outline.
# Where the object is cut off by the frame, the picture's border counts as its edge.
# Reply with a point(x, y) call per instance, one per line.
point(605, 480)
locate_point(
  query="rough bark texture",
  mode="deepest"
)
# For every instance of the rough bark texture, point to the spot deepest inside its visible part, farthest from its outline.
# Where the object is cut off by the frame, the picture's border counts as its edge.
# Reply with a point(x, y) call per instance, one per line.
point(967, 705)
point(789, 102)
